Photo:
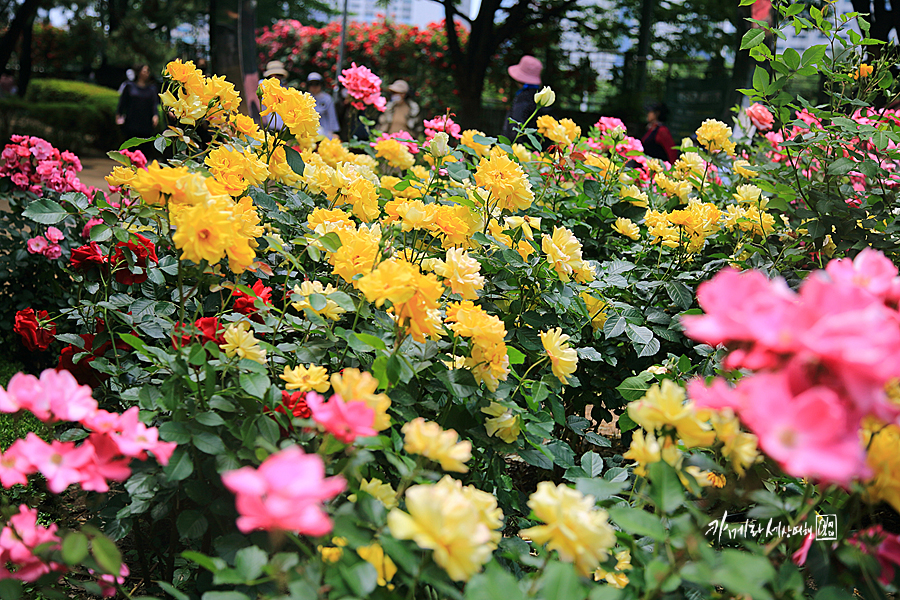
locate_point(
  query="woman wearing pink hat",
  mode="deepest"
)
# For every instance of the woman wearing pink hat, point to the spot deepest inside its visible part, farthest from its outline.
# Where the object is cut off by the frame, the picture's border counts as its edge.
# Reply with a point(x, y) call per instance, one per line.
point(528, 73)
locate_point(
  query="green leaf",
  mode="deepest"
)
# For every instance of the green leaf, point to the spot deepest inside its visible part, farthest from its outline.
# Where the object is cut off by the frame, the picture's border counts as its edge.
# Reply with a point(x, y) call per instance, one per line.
point(589, 353)
point(318, 302)
point(833, 592)
point(495, 582)
point(135, 141)
point(106, 554)
point(255, 384)
point(294, 160)
point(249, 562)
point(560, 582)
point(680, 294)
point(45, 211)
point(638, 522)
point(592, 463)
point(365, 342)
point(10, 589)
point(666, 490)
point(614, 326)
point(635, 387)
point(100, 233)
point(760, 79)
point(75, 548)
point(361, 578)
point(226, 595)
point(330, 241)
point(626, 423)
point(180, 466)
point(515, 357)
point(752, 38)
point(191, 524)
point(599, 488)
point(209, 443)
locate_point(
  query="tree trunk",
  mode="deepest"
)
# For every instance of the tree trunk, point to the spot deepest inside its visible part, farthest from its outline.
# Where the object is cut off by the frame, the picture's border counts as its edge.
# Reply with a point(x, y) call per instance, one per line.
point(24, 16)
point(25, 55)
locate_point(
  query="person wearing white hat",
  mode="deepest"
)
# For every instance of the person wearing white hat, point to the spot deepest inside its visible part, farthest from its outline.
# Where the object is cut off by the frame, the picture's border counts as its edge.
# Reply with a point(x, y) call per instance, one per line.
point(528, 73)
point(401, 113)
point(328, 123)
point(274, 68)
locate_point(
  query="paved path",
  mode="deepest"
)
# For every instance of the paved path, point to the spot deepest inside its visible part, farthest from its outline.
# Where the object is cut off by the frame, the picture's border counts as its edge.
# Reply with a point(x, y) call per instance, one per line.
point(94, 170)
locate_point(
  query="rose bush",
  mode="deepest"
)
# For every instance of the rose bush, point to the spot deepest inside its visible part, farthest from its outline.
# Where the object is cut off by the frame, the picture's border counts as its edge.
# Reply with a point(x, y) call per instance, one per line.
point(470, 367)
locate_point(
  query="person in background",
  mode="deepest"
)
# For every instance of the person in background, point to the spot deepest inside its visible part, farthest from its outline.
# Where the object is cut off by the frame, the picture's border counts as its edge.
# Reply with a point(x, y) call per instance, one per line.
point(658, 142)
point(8, 86)
point(328, 122)
point(401, 113)
point(274, 69)
point(527, 73)
point(138, 110)
point(129, 76)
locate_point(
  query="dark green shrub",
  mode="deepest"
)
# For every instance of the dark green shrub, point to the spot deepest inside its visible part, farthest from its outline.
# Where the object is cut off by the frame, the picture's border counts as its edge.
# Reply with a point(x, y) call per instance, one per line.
point(69, 114)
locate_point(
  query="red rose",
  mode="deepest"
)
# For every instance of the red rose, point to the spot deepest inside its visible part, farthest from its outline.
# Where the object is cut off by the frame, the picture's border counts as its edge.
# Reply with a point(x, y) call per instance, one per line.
point(295, 403)
point(210, 331)
point(36, 330)
point(143, 250)
point(245, 303)
point(88, 257)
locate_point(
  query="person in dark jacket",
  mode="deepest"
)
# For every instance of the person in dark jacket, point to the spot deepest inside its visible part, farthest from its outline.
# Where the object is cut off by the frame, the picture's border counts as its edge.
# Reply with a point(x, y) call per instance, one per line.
point(658, 142)
point(528, 73)
point(138, 110)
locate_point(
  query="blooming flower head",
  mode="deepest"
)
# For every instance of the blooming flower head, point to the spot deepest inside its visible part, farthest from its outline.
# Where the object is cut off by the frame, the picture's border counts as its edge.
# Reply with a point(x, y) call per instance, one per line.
point(395, 153)
point(760, 116)
point(458, 523)
point(627, 228)
point(563, 132)
point(363, 86)
point(563, 252)
point(503, 423)
point(441, 124)
point(664, 406)
point(740, 167)
point(236, 169)
point(563, 358)
point(384, 566)
point(505, 181)
point(545, 97)
point(429, 440)
point(306, 379)
point(353, 384)
point(715, 135)
point(468, 140)
point(381, 491)
point(346, 421)
point(461, 273)
point(297, 109)
point(573, 527)
point(285, 493)
point(239, 341)
point(863, 71)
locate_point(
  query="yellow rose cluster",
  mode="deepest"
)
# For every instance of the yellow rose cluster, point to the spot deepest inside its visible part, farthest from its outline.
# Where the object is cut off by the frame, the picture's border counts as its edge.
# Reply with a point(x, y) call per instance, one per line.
point(296, 109)
point(458, 523)
point(197, 97)
point(413, 296)
point(488, 362)
point(564, 132)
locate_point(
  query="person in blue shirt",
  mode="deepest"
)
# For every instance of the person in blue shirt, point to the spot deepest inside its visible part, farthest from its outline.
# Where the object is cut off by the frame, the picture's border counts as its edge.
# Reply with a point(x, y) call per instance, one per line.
point(328, 122)
point(528, 73)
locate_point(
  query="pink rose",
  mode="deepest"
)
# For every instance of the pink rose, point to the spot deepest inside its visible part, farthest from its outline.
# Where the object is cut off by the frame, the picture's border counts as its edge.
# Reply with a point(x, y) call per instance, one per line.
point(37, 245)
point(53, 251)
point(760, 116)
point(55, 235)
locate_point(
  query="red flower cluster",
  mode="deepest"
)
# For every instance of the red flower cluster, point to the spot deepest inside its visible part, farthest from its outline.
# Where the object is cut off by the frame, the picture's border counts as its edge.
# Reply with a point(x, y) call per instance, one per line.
point(88, 257)
point(208, 329)
point(36, 329)
point(143, 251)
point(246, 304)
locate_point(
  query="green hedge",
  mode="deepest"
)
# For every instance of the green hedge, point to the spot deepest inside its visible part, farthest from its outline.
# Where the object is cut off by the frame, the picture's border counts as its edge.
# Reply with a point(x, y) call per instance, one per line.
point(69, 114)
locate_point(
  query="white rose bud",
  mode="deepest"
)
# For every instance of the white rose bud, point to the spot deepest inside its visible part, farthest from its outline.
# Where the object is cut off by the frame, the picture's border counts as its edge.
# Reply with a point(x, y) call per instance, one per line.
point(439, 145)
point(545, 97)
